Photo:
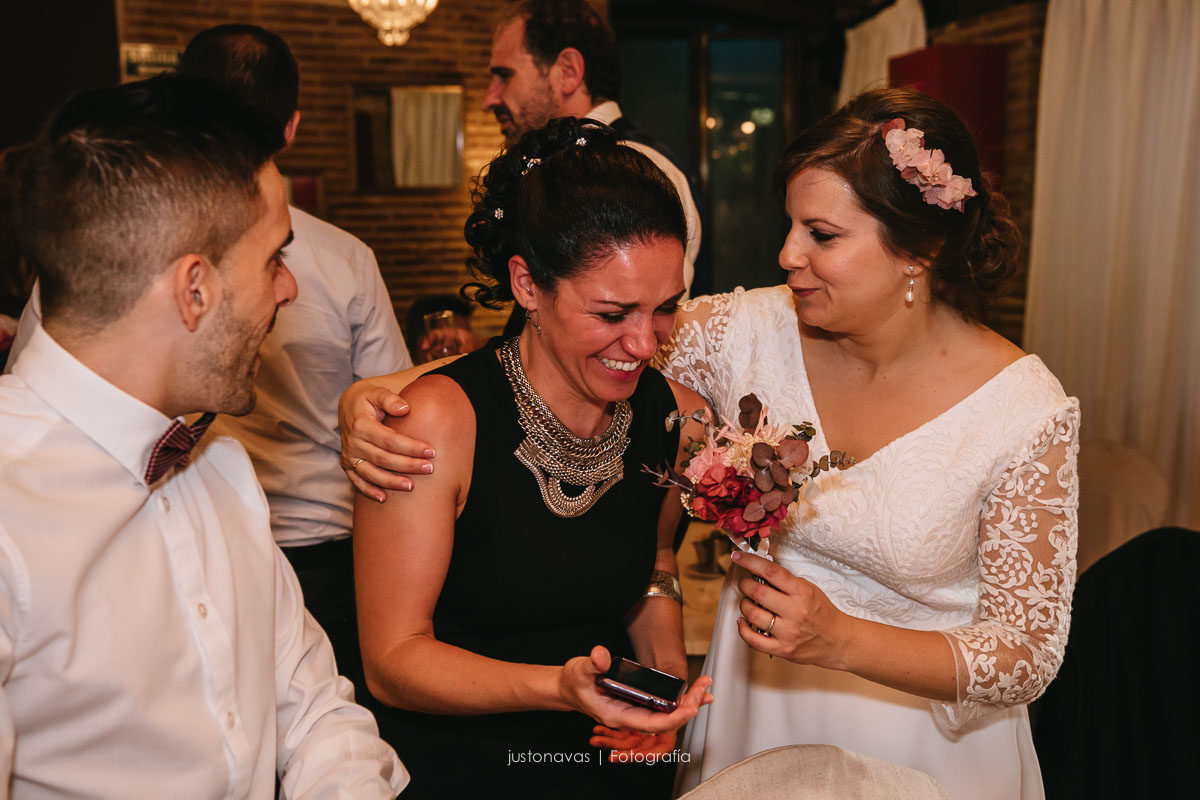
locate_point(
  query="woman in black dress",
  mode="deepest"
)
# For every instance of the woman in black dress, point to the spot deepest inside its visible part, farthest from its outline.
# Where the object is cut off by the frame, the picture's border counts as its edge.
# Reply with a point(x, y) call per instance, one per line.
point(490, 598)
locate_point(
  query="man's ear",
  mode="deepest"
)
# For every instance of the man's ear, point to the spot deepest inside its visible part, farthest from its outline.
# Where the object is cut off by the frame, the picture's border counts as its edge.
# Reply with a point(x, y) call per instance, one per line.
point(289, 130)
point(567, 72)
point(522, 284)
point(194, 289)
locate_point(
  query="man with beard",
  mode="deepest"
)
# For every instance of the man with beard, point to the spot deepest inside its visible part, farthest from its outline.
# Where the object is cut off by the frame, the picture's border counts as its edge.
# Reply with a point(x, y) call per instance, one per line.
point(153, 640)
point(558, 58)
point(341, 328)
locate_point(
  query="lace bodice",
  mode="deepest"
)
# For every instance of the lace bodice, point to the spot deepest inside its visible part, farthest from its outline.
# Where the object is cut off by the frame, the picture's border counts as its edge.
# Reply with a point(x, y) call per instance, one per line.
point(966, 525)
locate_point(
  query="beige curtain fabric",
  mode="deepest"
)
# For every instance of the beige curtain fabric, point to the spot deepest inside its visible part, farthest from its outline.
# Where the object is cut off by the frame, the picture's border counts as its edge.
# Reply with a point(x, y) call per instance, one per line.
point(1114, 284)
point(427, 135)
point(898, 29)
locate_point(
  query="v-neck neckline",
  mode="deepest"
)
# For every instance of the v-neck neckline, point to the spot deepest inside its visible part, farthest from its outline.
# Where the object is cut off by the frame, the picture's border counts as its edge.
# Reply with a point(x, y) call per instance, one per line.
point(799, 340)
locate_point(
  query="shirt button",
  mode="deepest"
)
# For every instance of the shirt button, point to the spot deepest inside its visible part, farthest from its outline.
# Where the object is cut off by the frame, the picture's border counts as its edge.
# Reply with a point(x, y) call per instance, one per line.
point(229, 718)
point(165, 503)
point(202, 610)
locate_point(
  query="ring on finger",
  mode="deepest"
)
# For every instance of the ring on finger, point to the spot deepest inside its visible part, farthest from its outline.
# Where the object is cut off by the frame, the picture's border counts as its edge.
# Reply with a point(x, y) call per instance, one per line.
point(354, 466)
point(767, 630)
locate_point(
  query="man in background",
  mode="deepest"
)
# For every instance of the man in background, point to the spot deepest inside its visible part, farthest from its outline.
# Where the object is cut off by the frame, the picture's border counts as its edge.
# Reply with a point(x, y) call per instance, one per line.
point(341, 328)
point(558, 58)
point(153, 641)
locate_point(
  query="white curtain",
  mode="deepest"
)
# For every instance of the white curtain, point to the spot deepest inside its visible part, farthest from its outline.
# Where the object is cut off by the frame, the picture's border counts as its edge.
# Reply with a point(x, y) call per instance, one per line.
point(1114, 281)
point(427, 135)
point(898, 29)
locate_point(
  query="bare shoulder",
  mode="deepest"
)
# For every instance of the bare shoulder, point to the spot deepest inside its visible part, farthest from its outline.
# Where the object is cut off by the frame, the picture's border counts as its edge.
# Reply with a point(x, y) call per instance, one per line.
point(441, 415)
point(686, 400)
point(400, 381)
point(437, 405)
point(969, 356)
point(988, 351)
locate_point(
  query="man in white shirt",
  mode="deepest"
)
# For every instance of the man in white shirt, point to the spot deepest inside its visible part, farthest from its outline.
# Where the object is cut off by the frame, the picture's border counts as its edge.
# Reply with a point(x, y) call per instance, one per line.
point(341, 328)
point(153, 639)
point(558, 58)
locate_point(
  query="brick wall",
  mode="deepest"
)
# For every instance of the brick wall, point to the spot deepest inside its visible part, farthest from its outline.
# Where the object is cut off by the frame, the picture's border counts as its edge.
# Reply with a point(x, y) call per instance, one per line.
point(1021, 28)
point(416, 234)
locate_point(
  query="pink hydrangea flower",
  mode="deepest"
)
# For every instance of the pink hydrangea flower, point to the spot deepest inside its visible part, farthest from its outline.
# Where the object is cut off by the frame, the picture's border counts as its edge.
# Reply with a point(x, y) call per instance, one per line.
point(711, 456)
point(928, 170)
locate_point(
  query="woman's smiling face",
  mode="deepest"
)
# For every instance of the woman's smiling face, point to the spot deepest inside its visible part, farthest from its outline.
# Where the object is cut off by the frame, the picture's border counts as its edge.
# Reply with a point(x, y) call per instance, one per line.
point(840, 274)
point(603, 325)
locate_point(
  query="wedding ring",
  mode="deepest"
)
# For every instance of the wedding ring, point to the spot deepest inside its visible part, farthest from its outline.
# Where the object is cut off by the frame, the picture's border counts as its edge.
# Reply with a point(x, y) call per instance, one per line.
point(767, 631)
point(354, 466)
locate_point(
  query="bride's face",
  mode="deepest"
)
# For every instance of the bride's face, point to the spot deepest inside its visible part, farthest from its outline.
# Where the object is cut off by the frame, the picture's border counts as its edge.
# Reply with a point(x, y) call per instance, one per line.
point(841, 276)
point(601, 326)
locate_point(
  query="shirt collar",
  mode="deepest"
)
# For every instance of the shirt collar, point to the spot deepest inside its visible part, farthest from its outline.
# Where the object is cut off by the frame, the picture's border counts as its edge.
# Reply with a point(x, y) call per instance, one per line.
point(606, 112)
point(123, 426)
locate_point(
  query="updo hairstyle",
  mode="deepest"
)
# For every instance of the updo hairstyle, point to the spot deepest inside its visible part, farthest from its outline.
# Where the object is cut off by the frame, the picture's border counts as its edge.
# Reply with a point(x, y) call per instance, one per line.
point(972, 253)
point(564, 197)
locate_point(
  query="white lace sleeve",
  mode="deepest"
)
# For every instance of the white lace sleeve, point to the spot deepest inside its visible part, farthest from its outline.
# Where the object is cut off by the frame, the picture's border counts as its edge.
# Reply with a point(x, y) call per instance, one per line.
point(691, 354)
point(1027, 542)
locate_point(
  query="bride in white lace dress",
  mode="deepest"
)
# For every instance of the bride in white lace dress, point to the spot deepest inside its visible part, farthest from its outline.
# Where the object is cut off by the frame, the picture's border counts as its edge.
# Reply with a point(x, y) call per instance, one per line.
point(922, 597)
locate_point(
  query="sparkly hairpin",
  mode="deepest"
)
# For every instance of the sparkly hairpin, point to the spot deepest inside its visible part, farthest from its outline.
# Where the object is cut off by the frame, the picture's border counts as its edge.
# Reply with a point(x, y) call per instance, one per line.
point(580, 142)
point(530, 163)
point(928, 170)
point(498, 213)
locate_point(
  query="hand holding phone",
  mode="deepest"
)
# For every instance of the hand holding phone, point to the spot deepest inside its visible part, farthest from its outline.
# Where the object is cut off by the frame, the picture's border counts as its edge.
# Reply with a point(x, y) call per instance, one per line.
point(641, 685)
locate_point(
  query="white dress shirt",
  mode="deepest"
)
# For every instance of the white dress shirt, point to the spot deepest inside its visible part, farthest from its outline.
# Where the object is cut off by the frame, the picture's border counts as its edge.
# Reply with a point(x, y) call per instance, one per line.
point(608, 111)
point(153, 639)
point(341, 328)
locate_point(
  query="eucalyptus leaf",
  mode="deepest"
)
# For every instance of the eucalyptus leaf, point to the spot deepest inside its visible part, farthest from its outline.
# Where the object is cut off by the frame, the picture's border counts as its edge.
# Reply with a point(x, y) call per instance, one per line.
point(761, 454)
point(772, 500)
point(749, 410)
point(763, 479)
point(754, 512)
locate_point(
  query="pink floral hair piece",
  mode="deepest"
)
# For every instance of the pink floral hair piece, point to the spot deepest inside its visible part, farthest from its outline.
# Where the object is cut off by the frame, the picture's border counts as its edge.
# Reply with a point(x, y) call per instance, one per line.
point(928, 170)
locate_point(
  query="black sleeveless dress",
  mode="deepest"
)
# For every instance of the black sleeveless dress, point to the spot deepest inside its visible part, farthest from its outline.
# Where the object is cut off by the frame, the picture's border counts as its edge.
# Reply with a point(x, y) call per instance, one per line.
point(527, 586)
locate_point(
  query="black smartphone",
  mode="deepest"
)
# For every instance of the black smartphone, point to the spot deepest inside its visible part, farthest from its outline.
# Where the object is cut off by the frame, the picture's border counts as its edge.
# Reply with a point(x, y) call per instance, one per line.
point(641, 685)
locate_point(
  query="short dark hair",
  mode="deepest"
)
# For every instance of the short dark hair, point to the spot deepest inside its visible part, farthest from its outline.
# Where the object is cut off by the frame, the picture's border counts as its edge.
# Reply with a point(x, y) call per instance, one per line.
point(551, 26)
point(124, 180)
point(973, 253)
point(251, 60)
point(564, 197)
point(16, 279)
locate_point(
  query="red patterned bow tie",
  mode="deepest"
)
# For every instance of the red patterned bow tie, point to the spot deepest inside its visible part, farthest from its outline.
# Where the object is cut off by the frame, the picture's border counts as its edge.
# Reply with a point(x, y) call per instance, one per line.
point(175, 446)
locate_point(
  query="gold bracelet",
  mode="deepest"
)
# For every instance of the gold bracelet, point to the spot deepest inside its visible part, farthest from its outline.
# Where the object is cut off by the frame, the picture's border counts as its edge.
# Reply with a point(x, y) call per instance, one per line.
point(664, 584)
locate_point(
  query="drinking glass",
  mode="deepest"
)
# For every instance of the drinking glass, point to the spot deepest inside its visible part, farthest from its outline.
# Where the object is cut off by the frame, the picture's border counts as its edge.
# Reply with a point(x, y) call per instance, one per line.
point(441, 337)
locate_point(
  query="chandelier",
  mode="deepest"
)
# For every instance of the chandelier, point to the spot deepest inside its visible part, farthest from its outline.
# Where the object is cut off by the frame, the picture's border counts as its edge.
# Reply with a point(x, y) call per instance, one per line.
point(393, 18)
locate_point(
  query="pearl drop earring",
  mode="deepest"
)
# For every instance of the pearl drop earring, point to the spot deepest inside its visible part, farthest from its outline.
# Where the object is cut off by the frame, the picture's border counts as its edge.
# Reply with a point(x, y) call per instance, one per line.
point(910, 294)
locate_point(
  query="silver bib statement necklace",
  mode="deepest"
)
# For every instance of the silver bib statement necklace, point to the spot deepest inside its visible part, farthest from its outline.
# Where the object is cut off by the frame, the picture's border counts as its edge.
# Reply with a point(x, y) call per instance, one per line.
point(555, 455)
